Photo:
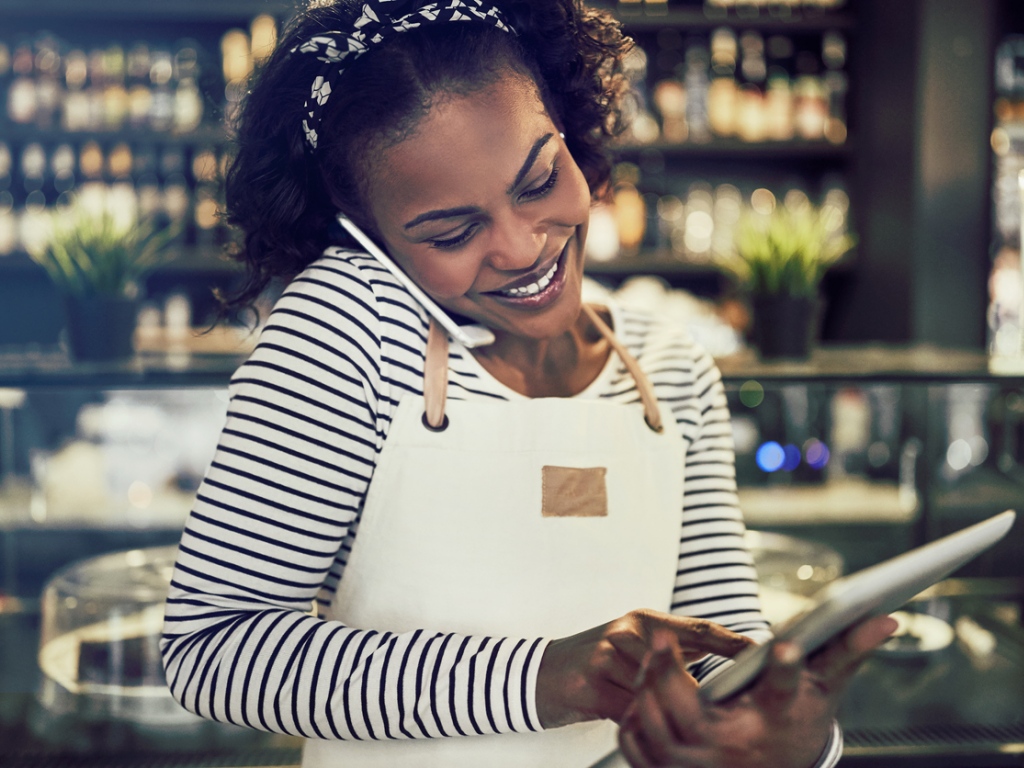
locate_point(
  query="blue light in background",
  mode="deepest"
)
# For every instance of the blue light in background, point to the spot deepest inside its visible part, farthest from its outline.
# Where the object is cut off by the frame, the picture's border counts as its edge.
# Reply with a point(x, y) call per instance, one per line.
point(792, 458)
point(770, 456)
point(816, 453)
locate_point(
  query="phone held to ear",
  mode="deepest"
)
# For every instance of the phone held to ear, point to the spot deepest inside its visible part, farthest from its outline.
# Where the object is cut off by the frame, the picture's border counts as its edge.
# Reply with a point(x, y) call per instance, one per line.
point(469, 336)
point(873, 591)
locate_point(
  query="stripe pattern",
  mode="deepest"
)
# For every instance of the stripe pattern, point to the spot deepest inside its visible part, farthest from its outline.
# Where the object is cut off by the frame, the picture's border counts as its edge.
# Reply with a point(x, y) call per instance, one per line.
point(268, 538)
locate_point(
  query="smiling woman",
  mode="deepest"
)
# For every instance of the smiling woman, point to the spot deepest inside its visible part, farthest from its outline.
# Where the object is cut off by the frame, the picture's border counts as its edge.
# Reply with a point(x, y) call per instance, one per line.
point(497, 541)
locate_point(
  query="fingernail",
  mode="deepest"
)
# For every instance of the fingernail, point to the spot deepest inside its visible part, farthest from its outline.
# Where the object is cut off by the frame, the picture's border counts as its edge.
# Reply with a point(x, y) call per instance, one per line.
point(788, 654)
point(642, 672)
point(662, 641)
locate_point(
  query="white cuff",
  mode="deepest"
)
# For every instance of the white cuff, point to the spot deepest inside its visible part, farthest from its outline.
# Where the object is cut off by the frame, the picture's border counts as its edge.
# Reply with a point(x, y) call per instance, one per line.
point(833, 749)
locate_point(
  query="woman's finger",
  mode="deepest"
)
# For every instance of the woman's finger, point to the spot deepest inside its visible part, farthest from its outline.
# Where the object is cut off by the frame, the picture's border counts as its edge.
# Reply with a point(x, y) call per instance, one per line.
point(658, 735)
point(630, 748)
point(674, 689)
point(700, 636)
point(781, 680)
point(841, 658)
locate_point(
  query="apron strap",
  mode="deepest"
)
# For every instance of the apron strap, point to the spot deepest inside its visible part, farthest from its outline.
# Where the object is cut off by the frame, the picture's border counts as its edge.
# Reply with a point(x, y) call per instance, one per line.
point(435, 376)
point(435, 379)
point(652, 414)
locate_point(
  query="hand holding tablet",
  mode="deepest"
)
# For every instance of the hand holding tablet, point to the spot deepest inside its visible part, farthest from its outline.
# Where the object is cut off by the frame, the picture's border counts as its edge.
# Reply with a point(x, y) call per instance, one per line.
point(876, 590)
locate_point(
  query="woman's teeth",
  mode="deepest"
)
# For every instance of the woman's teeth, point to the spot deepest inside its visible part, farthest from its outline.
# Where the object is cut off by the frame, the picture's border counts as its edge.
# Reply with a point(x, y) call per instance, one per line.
point(532, 288)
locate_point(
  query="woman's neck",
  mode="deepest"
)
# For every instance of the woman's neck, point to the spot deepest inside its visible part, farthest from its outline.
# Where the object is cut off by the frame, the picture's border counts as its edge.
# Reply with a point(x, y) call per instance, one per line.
point(562, 366)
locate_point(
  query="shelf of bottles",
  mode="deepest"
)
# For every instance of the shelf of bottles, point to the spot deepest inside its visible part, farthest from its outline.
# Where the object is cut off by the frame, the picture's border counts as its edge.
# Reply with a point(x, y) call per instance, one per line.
point(1006, 283)
point(730, 105)
point(129, 120)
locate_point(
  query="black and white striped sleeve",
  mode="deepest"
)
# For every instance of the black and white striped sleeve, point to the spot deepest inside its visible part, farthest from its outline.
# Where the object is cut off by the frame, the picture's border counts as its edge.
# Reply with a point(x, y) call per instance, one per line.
point(306, 422)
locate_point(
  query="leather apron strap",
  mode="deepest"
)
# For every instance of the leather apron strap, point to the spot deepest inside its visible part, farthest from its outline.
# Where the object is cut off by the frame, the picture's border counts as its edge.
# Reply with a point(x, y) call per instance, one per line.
point(435, 378)
point(435, 375)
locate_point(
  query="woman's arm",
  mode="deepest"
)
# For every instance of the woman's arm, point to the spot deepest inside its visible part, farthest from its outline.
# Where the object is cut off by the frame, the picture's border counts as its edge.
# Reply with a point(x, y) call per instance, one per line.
point(716, 579)
point(268, 537)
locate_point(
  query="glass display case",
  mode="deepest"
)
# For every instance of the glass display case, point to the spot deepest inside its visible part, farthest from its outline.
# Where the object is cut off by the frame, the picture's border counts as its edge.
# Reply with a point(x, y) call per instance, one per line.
point(843, 460)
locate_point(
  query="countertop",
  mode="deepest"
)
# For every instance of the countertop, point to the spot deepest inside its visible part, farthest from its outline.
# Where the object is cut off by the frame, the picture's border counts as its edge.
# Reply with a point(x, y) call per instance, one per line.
point(959, 706)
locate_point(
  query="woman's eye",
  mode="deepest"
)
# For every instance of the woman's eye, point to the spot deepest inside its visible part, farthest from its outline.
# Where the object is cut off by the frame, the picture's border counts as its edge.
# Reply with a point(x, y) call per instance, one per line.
point(454, 242)
point(543, 189)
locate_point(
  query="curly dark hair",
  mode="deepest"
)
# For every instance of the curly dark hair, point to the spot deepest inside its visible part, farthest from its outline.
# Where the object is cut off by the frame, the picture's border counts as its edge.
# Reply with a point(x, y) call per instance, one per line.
point(284, 198)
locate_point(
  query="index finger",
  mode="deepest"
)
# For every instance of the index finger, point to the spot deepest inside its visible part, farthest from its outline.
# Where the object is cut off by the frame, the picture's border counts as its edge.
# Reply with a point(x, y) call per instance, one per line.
point(700, 636)
point(841, 658)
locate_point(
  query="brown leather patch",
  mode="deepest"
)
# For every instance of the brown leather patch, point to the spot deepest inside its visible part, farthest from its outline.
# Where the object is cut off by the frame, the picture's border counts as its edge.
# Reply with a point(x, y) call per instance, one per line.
point(574, 492)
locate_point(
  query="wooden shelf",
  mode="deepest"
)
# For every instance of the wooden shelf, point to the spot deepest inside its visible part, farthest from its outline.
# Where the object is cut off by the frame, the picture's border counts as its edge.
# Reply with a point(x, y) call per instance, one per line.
point(24, 134)
point(798, 20)
point(178, 10)
point(183, 259)
point(734, 149)
point(650, 264)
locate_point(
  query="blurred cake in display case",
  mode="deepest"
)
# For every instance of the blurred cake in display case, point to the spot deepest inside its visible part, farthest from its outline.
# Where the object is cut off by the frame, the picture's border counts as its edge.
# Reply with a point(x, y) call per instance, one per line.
point(99, 644)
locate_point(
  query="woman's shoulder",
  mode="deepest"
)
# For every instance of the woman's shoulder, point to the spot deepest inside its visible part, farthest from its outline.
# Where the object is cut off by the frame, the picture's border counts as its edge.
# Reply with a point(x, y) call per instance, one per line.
point(351, 286)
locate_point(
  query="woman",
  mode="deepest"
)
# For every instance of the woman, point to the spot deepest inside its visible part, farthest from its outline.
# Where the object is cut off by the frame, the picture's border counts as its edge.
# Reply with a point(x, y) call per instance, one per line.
point(497, 542)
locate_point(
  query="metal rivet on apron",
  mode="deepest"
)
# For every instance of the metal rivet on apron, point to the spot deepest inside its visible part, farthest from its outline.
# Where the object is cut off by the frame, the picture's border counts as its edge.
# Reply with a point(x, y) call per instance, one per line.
point(654, 428)
point(440, 428)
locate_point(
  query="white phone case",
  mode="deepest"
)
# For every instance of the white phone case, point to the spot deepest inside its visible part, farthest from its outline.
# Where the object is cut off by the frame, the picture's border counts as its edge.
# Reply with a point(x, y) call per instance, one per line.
point(468, 335)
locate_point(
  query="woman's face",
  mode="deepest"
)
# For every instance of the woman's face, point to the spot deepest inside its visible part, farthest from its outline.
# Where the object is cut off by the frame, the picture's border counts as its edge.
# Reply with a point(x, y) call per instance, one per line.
point(484, 207)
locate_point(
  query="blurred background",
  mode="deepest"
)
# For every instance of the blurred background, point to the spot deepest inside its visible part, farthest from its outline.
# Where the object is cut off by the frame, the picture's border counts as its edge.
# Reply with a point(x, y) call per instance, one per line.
point(883, 141)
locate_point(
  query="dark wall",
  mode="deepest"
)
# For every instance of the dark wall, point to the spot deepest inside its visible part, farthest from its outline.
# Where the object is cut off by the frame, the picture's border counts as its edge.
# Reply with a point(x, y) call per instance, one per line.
point(950, 263)
point(874, 305)
point(922, 172)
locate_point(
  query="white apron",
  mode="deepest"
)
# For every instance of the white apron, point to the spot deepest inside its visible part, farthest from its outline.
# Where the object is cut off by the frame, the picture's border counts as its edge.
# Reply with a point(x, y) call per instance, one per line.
point(467, 530)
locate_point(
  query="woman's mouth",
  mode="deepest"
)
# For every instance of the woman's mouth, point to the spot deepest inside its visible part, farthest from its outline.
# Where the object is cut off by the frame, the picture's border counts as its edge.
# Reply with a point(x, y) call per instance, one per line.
point(540, 292)
point(532, 288)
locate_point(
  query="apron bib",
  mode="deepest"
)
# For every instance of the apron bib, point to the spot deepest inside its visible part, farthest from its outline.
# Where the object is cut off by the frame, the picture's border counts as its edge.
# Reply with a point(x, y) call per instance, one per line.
point(502, 523)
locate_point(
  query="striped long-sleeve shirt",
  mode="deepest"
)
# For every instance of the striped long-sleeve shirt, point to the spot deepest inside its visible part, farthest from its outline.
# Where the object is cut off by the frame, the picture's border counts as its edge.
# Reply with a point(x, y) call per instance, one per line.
point(273, 521)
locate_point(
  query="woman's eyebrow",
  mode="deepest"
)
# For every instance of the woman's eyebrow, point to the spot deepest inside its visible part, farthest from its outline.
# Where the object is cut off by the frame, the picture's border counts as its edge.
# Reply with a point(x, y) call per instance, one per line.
point(448, 213)
point(538, 145)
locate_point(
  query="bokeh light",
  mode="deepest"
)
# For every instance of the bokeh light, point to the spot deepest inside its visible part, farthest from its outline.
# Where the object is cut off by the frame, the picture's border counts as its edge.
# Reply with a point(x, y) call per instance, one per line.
point(792, 458)
point(751, 393)
point(816, 453)
point(958, 455)
point(770, 456)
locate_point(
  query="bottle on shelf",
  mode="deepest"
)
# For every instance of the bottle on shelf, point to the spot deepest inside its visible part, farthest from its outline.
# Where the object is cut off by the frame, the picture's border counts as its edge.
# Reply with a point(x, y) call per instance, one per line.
point(206, 210)
point(62, 168)
point(161, 73)
point(8, 219)
point(697, 85)
point(91, 194)
point(138, 64)
point(836, 85)
point(49, 89)
point(121, 203)
point(33, 224)
point(149, 196)
point(188, 102)
point(21, 93)
point(722, 91)
point(76, 108)
point(750, 113)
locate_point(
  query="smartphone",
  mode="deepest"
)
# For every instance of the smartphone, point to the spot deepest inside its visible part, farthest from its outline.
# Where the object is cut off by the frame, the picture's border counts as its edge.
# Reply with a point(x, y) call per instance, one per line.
point(469, 336)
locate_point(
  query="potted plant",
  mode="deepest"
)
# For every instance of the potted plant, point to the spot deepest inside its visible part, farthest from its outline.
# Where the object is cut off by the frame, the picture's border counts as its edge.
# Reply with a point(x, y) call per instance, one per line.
point(96, 261)
point(779, 258)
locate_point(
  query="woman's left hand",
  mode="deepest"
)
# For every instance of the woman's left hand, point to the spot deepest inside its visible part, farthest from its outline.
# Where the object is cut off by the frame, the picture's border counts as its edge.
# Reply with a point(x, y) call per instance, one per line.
point(783, 721)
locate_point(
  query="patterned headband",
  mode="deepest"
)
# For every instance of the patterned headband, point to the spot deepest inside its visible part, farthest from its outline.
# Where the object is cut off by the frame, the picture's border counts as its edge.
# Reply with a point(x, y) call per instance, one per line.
point(380, 21)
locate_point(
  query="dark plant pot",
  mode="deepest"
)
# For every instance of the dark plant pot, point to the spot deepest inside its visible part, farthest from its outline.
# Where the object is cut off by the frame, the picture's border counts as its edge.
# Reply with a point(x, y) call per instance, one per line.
point(784, 326)
point(100, 328)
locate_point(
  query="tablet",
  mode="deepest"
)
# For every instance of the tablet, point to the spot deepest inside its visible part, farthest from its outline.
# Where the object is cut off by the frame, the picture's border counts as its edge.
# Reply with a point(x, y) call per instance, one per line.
point(873, 591)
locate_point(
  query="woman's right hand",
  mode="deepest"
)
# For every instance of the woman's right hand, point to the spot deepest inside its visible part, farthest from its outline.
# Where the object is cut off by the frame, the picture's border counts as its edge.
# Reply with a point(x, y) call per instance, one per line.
point(591, 675)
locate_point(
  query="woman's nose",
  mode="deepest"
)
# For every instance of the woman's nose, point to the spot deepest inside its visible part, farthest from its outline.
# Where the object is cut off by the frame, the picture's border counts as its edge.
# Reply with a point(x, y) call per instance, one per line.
point(516, 244)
